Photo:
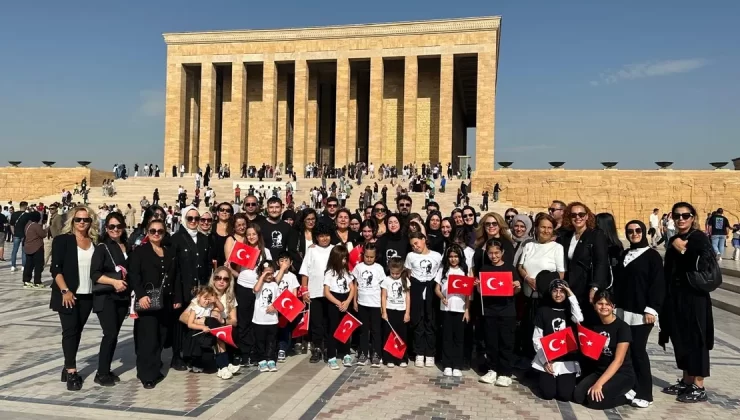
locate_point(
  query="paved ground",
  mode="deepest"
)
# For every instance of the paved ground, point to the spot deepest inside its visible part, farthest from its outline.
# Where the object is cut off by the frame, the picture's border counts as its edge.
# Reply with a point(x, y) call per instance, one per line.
point(31, 360)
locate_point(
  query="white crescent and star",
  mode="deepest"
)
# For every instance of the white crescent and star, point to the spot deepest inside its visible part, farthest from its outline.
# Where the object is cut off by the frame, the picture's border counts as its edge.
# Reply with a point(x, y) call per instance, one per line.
point(588, 343)
point(282, 303)
point(220, 334)
point(238, 254)
point(347, 324)
point(551, 345)
point(457, 287)
point(488, 283)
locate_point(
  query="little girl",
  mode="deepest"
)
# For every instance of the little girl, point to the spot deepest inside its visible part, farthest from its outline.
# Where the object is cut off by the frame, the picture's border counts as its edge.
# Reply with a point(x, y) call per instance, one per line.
point(339, 291)
point(395, 307)
point(454, 309)
point(204, 313)
point(369, 275)
point(499, 319)
point(424, 265)
point(286, 280)
point(265, 318)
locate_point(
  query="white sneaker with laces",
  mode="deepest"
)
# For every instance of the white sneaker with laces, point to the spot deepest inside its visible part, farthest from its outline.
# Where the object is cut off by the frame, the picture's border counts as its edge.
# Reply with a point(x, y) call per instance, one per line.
point(390, 365)
point(429, 362)
point(456, 373)
point(224, 373)
point(419, 361)
point(12, 268)
point(447, 372)
point(488, 378)
point(403, 365)
point(233, 369)
point(503, 381)
point(640, 403)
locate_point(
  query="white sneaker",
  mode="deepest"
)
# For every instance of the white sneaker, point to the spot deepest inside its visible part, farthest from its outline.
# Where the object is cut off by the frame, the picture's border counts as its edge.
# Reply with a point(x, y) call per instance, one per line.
point(12, 268)
point(430, 362)
point(419, 361)
point(233, 369)
point(447, 372)
point(403, 365)
point(224, 373)
point(503, 381)
point(456, 373)
point(641, 403)
point(390, 365)
point(488, 378)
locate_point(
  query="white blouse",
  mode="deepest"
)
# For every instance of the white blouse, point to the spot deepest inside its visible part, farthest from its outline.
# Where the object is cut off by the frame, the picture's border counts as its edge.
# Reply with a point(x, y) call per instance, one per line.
point(84, 259)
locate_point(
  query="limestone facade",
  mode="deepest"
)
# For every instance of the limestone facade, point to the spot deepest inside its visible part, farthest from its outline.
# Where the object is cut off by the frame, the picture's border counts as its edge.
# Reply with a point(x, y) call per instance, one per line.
point(31, 183)
point(383, 93)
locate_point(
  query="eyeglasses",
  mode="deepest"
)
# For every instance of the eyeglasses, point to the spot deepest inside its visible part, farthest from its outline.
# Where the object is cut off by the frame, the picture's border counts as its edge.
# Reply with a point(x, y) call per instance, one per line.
point(158, 232)
point(193, 218)
point(509, 216)
point(491, 224)
point(468, 216)
point(637, 231)
point(224, 210)
point(220, 278)
point(379, 210)
point(581, 215)
point(206, 220)
point(158, 216)
point(404, 205)
point(684, 216)
point(82, 220)
point(331, 206)
point(553, 209)
point(250, 204)
point(116, 227)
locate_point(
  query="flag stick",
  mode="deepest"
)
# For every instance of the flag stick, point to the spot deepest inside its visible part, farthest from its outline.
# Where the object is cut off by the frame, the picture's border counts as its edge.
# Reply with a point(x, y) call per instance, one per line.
point(391, 326)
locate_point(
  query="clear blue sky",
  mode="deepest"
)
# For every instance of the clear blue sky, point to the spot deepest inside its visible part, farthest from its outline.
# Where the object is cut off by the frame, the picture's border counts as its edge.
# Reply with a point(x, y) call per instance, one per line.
point(579, 81)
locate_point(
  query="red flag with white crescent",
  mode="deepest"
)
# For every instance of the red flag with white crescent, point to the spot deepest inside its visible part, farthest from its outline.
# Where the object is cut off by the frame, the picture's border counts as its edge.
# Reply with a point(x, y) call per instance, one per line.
point(592, 343)
point(498, 283)
point(288, 305)
point(244, 255)
point(302, 328)
point(394, 345)
point(346, 327)
point(224, 334)
point(461, 285)
point(558, 344)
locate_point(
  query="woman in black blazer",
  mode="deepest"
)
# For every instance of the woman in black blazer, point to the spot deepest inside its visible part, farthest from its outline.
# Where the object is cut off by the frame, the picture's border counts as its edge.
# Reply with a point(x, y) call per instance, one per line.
point(194, 266)
point(111, 295)
point(152, 267)
point(71, 290)
point(586, 255)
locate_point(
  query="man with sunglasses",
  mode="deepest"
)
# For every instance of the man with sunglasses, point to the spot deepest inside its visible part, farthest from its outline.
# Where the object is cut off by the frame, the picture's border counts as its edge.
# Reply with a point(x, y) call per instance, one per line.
point(557, 210)
point(329, 215)
point(403, 204)
point(252, 209)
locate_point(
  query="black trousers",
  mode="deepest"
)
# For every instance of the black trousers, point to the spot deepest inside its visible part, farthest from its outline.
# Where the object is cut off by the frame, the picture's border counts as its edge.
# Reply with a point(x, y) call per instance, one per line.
point(111, 319)
point(318, 323)
point(453, 332)
point(560, 387)
point(500, 332)
point(395, 318)
point(613, 390)
point(335, 347)
point(73, 322)
point(641, 361)
point(244, 327)
point(34, 265)
point(178, 332)
point(265, 340)
point(370, 328)
point(523, 346)
point(422, 318)
point(150, 338)
point(474, 329)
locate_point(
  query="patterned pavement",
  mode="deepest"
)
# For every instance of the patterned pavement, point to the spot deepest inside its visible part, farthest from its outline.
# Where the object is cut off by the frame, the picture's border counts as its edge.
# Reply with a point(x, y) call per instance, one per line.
point(31, 361)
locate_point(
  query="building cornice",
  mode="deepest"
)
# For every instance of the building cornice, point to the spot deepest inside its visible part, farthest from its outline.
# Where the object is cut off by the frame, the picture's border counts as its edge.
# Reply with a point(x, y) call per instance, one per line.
point(332, 32)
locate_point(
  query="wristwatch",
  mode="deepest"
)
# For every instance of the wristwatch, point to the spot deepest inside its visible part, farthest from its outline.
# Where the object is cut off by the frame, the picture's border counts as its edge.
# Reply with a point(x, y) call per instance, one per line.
point(64, 291)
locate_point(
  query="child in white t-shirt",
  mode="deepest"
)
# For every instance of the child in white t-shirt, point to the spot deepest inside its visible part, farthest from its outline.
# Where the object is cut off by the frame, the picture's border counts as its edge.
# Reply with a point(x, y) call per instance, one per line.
point(286, 280)
point(339, 291)
point(369, 275)
point(265, 318)
point(203, 313)
point(395, 307)
point(454, 309)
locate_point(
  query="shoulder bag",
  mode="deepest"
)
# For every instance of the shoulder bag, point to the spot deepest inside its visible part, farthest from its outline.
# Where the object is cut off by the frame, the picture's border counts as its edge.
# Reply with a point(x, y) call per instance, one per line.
point(99, 288)
point(705, 279)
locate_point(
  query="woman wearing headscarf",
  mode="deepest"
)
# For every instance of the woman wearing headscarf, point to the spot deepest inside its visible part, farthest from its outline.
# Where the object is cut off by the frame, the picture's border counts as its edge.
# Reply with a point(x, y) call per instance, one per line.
point(393, 244)
point(639, 290)
point(435, 240)
point(687, 312)
point(521, 234)
point(193, 257)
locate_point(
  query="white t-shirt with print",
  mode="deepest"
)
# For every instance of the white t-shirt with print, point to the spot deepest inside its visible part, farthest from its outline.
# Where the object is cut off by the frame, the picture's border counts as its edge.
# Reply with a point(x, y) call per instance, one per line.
point(338, 284)
point(455, 302)
point(265, 297)
point(395, 295)
point(289, 281)
point(424, 267)
point(313, 267)
point(368, 279)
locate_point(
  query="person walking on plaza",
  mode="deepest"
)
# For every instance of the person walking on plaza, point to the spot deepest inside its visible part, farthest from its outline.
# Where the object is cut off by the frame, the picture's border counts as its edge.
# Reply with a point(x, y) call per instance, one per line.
point(18, 222)
point(655, 228)
point(56, 224)
point(719, 229)
point(33, 247)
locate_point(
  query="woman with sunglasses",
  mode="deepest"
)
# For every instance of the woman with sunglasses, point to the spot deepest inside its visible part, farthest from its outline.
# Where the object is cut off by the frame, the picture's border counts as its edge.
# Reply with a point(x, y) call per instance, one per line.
point(586, 255)
point(152, 270)
point(687, 319)
point(639, 289)
point(471, 224)
point(305, 226)
point(221, 231)
point(380, 212)
point(111, 294)
point(509, 215)
point(139, 236)
point(223, 282)
point(205, 224)
point(71, 290)
point(193, 256)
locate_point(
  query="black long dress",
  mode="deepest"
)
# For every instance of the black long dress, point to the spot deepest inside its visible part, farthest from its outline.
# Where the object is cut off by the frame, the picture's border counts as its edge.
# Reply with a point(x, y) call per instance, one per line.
point(686, 318)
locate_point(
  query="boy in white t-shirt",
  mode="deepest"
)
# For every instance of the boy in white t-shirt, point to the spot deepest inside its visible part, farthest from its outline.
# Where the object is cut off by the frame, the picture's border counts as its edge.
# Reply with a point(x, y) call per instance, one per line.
point(369, 275)
point(286, 280)
point(265, 318)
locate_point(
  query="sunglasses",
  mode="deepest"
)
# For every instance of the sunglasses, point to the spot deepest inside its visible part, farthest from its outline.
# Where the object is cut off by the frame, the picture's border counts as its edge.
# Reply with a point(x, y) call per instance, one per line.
point(491, 224)
point(509, 216)
point(158, 216)
point(82, 220)
point(220, 278)
point(331, 206)
point(159, 232)
point(581, 215)
point(468, 216)
point(250, 204)
point(224, 210)
point(684, 216)
point(116, 227)
point(379, 210)
point(206, 220)
point(193, 218)
point(637, 231)
point(553, 209)
point(404, 205)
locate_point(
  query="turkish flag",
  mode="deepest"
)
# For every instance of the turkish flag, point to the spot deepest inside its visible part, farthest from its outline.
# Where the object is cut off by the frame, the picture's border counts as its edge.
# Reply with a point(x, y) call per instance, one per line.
point(460, 285)
point(224, 334)
point(288, 305)
point(394, 345)
point(592, 343)
point(497, 283)
point(244, 255)
point(354, 257)
point(346, 327)
point(302, 328)
point(558, 344)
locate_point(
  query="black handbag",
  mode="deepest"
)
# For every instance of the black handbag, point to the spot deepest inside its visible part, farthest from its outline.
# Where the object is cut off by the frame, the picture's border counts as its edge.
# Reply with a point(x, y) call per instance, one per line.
point(708, 278)
point(155, 297)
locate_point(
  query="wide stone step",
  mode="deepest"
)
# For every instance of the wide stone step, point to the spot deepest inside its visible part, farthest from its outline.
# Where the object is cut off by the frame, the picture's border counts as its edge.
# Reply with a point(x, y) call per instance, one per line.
point(730, 283)
point(726, 299)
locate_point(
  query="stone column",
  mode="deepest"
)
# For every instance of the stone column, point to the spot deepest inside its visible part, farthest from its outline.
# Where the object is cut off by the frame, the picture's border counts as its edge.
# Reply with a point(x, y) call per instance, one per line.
point(174, 120)
point(300, 100)
point(485, 113)
point(342, 154)
point(446, 106)
point(312, 116)
point(376, 111)
point(233, 142)
point(282, 117)
point(207, 117)
point(269, 111)
point(352, 118)
point(410, 90)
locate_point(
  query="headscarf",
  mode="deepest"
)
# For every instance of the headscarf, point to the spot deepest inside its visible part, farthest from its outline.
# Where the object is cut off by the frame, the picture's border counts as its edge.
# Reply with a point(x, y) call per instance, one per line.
point(192, 232)
point(208, 212)
point(520, 242)
point(635, 249)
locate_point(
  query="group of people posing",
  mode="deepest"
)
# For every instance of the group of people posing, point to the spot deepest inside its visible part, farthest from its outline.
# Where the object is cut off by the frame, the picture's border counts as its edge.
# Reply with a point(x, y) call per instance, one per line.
point(391, 271)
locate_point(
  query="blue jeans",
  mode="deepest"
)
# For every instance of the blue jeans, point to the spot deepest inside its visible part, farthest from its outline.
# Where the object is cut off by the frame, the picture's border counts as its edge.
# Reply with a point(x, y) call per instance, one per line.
point(17, 242)
point(718, 244)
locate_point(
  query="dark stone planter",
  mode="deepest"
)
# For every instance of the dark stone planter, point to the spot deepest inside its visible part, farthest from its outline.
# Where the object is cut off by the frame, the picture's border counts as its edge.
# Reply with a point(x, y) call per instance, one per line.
point(736, 162)
point(48, 163)
point(664, 165)
point(609, 165)
point(718, 165)
point(505, 164)
point(14, 163)
point(83, 163)
point(556, 165)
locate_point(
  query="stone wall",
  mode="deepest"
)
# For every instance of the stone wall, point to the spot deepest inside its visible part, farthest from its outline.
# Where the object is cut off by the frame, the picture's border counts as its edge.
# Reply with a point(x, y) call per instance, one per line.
point(32, 183)
point(626, 194)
